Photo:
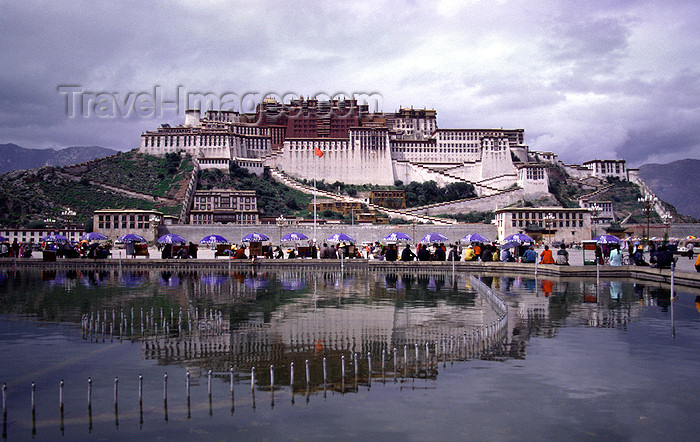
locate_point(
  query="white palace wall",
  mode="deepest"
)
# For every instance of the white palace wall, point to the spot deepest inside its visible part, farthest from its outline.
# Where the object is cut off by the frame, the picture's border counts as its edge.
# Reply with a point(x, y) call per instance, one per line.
point(340, 162)
point(468, 171)
point(495, 158)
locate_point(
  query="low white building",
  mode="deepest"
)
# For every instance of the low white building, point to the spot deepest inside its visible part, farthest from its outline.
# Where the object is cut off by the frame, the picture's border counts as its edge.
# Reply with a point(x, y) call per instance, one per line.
point(25, 236)
point(604, 212)
point(557, 223)
point(607, 168)
point(118, 222)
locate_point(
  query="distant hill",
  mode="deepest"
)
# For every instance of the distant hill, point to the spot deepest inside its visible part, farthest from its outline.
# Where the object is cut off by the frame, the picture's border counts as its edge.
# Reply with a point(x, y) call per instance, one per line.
point(676, 183)
point(14, 157)
point(30, 196)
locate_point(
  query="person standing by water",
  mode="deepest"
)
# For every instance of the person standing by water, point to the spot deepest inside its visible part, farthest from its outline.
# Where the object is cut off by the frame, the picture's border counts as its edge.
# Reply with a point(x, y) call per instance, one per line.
point(529, 256)
point(638, 257)
point(616, 256)
point(469, 254)
point(407, 254)
point(505, 255)
point(599, 255)
point(454, 254)
point(391, 254)
point(240, 253)
point(547, 257)
point(166, 253)
point(562, 256)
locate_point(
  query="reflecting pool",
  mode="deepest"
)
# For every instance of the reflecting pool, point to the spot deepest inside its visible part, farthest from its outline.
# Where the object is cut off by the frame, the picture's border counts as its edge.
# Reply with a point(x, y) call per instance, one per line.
point(313, 355)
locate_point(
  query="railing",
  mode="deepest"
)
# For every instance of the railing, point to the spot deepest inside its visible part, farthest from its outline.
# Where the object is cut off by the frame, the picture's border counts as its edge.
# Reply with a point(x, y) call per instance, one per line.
point(498, 329)
point(189, 193)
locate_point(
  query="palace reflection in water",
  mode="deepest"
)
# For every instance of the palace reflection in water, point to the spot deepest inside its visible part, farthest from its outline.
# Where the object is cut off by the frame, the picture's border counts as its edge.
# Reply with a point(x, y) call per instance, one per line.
point(245, 319)
point(320, 334)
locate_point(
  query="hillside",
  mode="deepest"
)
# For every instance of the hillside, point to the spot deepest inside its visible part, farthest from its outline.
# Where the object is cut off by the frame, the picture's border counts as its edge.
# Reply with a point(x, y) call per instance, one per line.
point(273, 198)
point(676, 183)
point(14, 157)
point(623, 194)
point(134, 171)
point(28, 197)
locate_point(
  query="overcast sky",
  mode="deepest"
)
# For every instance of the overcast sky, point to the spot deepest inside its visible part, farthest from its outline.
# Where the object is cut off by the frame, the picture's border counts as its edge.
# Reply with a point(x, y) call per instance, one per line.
point(611, 79)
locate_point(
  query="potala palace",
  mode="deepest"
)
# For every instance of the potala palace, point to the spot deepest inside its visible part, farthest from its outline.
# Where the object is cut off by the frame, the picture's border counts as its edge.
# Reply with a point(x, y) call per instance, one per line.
point(361, 147)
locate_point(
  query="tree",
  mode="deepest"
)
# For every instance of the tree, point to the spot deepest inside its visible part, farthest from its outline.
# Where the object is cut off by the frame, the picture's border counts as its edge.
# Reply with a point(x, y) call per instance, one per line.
point(291, 203)
point(172, 162)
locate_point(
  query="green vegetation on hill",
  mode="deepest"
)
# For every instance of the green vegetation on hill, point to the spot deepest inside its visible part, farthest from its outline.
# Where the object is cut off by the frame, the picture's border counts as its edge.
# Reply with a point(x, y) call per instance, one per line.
point(160, 176)
point(428, 192)
point(561, 187)
point(623, 195)
point(417, 194)
point(471, 217)
point(274, 198)
point(28, 197)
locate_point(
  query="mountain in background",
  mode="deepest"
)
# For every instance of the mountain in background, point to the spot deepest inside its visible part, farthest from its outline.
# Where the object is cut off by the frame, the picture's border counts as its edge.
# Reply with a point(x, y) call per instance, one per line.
point(14, 157)
point(677, 183)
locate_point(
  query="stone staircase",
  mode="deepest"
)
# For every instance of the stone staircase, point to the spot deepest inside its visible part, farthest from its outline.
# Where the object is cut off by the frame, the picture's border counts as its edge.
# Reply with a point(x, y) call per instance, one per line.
point(484, 189)
point(268, 158)
point(646, 190)
point(392, 213)
point(595, 192)
point(477, 199)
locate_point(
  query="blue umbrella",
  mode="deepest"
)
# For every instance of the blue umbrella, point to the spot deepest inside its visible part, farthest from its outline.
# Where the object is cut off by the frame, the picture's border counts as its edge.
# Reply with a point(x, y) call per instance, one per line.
point(475, 237)
point(171, 238)
point(255, 237)
point(509, 244)
point(214, 279)
point(93, 236)
point(3, 239)
point(520, 237)
point(340, 237)
point(132, 279)
point(170, 281)
point(397, 236)
point(434, 237)
point(214, 239)
point(607, 239)
point(292, 284)
point(54, 237)
point(255, 283)
point(294, 237)
point(132, 237)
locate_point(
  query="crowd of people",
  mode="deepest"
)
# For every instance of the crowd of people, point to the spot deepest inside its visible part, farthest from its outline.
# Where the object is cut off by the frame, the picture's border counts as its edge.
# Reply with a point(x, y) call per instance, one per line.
point(610, 254)
point(15, 250)
point(82, 249)
point(662, 257)
point(177, 251)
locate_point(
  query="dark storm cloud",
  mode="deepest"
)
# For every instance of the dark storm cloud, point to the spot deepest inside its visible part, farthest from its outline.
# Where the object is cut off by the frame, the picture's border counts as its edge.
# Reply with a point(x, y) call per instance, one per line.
point(604, 79)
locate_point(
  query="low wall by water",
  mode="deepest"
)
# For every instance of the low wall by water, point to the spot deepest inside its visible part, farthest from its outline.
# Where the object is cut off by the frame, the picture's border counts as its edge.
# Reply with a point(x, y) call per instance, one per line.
point(688, 281)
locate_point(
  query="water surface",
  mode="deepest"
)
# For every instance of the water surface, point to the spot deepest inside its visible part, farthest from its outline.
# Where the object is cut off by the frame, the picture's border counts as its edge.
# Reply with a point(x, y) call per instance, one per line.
point(578, 360)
